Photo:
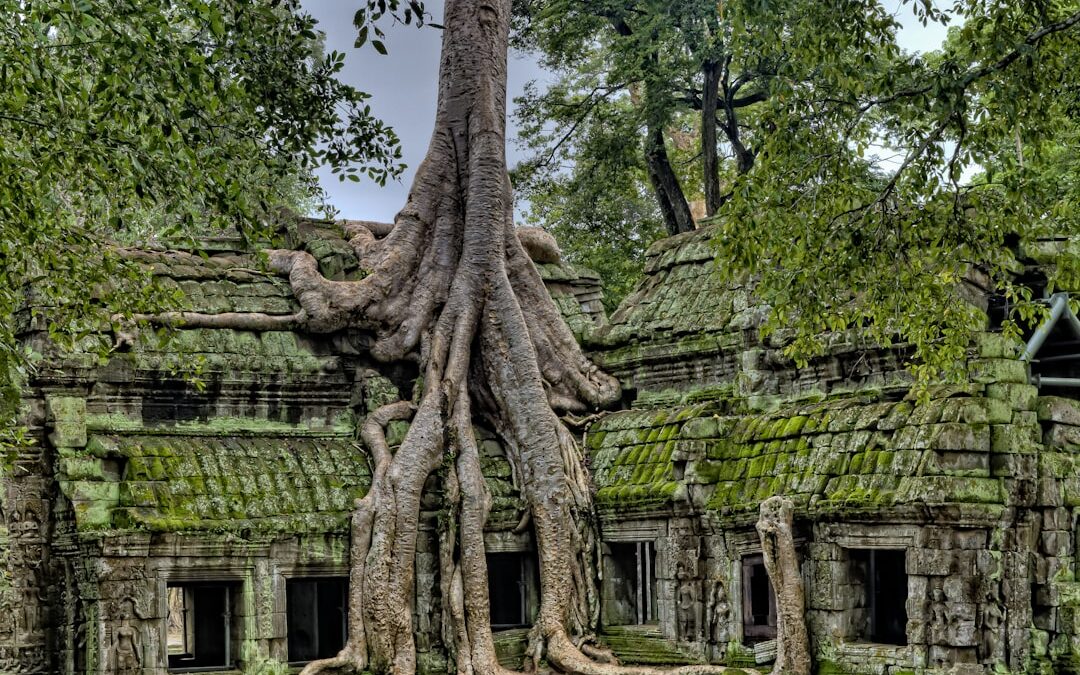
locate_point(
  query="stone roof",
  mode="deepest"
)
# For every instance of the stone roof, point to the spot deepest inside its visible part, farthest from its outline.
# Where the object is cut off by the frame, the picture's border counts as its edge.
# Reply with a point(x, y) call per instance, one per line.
point(174, 482)
point(685, 328)
point(180, 482)
point(845, 455)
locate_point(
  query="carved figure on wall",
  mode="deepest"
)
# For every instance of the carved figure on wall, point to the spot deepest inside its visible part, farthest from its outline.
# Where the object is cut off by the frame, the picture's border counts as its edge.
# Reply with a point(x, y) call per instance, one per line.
point(939, 620)
point(719, 611)
point(992, 622)
point(687, 611)
point(30, 605)
point(125, 650)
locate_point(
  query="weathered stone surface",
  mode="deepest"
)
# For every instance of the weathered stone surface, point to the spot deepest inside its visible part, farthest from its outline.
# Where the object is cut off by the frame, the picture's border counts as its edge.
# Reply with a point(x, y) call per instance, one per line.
point(141, 480)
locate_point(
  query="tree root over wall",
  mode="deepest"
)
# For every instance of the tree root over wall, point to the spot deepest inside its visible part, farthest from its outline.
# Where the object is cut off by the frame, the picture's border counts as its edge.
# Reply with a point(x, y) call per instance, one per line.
point(451, 288)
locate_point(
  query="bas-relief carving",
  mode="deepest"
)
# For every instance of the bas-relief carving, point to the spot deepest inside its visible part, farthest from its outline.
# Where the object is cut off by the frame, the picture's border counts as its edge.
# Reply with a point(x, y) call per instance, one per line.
point(125, 639)
point(719, 611)
point(28, 618)
point(991, 620)
point(686, 600)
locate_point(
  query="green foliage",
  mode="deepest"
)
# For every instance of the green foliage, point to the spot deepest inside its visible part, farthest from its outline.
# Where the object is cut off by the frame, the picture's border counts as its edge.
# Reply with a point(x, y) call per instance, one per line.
point(626, 68)
point(833, 250)
point(839, 234)
point(601, 211)
point(123, 120)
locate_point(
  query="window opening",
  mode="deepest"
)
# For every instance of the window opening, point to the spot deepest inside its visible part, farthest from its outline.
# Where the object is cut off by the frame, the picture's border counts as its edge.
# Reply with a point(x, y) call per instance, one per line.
point(511, 583)
point(630, 570)
point(884, 594)
point(316, 617)
point(759, 600)
point(199, 625)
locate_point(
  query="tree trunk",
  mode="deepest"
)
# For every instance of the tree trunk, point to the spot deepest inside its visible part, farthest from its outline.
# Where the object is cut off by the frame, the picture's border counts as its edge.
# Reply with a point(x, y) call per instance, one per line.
point(709, 161)
point(778, 545)
point(451, 287)
point(673, 204)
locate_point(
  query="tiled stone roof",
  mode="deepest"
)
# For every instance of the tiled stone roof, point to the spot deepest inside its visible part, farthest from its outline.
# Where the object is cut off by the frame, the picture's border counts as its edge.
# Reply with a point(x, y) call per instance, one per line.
point(176, 483)
point(852, 455)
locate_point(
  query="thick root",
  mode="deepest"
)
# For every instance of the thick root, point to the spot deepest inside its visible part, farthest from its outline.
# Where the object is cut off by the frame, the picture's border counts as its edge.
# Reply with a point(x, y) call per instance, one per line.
point(567, 658)
point(778, 545)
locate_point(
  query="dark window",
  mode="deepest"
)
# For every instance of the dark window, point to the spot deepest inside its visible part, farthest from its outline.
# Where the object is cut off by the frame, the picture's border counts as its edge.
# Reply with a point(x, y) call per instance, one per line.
point(630, 586)
point(316, 615)
point(885, 583)
point(201, 632)
point(511, 587)
point(759, 601)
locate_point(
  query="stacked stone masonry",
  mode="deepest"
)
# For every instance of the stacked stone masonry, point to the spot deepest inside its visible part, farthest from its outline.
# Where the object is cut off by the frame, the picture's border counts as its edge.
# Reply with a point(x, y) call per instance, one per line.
point(937, 536)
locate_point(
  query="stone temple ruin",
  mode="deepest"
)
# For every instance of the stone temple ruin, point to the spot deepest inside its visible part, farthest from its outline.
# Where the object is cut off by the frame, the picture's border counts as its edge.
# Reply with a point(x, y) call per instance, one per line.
point(160, 527)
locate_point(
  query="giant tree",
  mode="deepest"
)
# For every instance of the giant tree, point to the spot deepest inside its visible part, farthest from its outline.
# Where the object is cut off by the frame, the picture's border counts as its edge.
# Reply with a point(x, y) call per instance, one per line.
point(451, 288)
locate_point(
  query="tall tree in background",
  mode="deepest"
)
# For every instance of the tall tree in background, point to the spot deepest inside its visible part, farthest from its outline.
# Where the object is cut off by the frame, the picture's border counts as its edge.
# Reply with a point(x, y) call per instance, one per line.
point(672, 71)
point(842, 159)
point(660, 102)
point(833, 250)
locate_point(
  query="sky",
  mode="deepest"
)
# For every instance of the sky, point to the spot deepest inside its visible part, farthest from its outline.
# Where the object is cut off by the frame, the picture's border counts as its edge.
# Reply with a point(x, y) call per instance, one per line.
point(403, 88)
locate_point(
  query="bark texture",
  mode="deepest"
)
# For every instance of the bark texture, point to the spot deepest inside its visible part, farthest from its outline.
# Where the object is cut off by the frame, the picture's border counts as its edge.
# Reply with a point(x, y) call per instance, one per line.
point(778, 545)
point(452, 288)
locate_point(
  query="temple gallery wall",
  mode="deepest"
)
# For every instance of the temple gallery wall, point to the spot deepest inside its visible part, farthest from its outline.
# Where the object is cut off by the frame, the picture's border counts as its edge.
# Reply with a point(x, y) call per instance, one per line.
point(158, 526)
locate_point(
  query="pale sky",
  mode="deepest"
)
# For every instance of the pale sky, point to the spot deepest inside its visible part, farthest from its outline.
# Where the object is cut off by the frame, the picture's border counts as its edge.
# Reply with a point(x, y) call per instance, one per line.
point(403, 89)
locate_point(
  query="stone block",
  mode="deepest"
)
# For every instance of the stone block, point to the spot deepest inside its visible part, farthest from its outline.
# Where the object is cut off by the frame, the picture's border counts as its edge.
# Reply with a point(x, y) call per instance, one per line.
point(963, 633)
point(976, 411)
point(67, 417)
point(988, 371)
point(1056, 543)
point(1015, 395)
point(957, 589)
point(944, 436)
point(916, 631)
point(1049, 492)
point(1014, 466)
point(700, 427)
point(960, 463)
point(1063, 437)
point(928, 562)
point(997, 346)
point(95, 491)
point(1021, 439)
point(1059, 410)
point(970, 540)
point(1057, 519)
point(82, 468)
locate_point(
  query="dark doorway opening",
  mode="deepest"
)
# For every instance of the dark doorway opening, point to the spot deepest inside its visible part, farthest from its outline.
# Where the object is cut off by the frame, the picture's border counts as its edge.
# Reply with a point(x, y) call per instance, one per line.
point(759, 600)
point(512, 584)
point(630, 583)
point(885, 586)
point(201, 631)
point(316, 615)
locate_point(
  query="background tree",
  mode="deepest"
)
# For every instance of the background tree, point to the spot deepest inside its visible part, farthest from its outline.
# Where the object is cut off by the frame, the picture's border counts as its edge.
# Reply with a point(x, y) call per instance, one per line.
point(701, 62)
point(832, 250)
point(127, 121)
point(843, 177)
point(661, 98)
point(600, 208)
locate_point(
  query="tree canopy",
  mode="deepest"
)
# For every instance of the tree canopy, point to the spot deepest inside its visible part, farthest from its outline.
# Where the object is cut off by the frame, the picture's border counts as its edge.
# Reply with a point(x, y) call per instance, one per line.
point(843, 170)
point(127, 121)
